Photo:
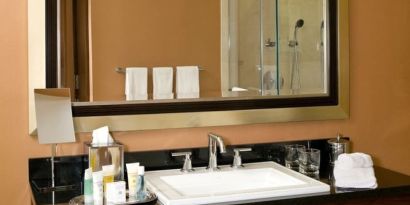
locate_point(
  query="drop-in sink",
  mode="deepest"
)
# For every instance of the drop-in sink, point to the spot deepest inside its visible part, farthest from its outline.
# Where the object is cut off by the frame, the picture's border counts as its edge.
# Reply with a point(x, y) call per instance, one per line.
point(254, 182)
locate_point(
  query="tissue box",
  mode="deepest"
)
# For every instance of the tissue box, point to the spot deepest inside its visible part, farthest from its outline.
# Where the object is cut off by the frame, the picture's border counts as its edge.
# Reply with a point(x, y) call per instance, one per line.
point(101, 155)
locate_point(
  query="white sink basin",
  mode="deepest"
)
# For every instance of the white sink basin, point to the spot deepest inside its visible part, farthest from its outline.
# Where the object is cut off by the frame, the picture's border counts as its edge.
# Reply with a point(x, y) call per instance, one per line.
point(255, 182)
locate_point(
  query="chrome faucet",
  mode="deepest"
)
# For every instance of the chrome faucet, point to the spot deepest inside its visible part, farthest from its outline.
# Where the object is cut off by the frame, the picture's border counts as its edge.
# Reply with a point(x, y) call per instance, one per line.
point(214, 140)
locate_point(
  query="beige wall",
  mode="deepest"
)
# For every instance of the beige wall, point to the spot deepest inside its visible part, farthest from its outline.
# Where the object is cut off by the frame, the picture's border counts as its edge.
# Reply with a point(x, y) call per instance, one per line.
point(380, 94)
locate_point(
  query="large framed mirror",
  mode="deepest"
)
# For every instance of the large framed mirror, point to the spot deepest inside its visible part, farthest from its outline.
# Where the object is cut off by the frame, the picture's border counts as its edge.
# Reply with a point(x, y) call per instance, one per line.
point(287, 59)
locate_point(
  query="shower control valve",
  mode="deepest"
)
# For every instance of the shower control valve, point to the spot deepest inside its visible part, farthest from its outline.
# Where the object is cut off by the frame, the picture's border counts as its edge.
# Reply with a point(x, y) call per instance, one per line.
point(269, 43)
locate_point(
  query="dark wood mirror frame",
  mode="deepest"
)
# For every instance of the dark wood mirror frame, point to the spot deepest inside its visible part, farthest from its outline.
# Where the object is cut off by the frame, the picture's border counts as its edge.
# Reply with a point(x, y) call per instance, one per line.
point(130, 108)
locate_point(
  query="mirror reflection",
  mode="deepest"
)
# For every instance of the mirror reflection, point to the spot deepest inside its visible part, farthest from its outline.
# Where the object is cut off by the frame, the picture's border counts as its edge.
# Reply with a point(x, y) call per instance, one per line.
point(110, 50)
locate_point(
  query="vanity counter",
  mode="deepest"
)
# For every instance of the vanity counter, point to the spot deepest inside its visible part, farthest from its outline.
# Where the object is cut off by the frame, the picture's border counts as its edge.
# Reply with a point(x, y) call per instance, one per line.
point(393, 187)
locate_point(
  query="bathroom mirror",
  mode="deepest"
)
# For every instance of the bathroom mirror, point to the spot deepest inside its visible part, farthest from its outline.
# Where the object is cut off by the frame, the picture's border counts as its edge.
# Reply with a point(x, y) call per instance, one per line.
point(242, 47)
point(289, 55)
point(55, 122)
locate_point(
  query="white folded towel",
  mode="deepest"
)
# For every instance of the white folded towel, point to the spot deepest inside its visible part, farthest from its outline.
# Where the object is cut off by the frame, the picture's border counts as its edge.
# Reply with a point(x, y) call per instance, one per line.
point(162, 80)
point(355, 178)
point(136, 82)
point(354, 160)
point(187, 83)
point(354, 170)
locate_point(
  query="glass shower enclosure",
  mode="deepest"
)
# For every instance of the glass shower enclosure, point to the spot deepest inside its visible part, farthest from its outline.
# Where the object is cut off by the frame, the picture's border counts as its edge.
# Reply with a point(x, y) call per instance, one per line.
point(277, 47)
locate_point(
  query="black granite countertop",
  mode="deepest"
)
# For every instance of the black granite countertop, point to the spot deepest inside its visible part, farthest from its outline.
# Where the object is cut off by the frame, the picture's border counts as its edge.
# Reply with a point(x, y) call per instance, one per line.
point(393, 187)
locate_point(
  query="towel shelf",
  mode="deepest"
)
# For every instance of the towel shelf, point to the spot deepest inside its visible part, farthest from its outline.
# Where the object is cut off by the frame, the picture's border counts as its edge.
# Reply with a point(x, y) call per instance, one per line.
point(122, 70)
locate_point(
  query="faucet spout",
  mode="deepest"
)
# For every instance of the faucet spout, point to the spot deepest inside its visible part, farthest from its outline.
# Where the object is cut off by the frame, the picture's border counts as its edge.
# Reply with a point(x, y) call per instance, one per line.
point(219, 141)
point(214, 141)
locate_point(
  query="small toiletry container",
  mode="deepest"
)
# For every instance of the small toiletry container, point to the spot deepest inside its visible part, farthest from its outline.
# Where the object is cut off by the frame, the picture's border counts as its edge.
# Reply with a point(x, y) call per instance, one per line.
point(337, 146)
point(88, 186)
point(106, 154)
point(115, 192)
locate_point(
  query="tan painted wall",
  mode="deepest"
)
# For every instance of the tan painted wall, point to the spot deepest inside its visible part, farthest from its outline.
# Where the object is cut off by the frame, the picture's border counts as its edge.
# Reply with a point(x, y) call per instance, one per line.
point(380, 94)
point(13, 102)
point(130, 33)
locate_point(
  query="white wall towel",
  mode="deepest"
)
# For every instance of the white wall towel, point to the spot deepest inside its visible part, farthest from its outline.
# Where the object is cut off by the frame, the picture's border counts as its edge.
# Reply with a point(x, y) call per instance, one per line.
point(355, 178)
point(187, 83)
point(354, 160)
point(136, 81)
point(162, 80)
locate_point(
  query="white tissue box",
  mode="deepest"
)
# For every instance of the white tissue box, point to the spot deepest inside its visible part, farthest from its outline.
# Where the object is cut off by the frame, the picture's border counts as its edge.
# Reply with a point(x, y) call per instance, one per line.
point(101, 155)
point(115, 192)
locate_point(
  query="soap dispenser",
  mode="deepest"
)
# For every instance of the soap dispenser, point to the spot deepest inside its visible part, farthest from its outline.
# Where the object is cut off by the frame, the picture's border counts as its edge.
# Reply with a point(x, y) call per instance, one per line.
point(337, 146)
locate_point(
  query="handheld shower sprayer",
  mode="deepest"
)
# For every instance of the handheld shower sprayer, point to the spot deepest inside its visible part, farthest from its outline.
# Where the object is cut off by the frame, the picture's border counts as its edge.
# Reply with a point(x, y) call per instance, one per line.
point(299, 24)
point(295, 66)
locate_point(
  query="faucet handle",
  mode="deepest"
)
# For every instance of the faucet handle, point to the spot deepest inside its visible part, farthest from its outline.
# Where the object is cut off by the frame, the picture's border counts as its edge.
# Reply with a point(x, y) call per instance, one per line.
point(237, 160)
point(187, 162)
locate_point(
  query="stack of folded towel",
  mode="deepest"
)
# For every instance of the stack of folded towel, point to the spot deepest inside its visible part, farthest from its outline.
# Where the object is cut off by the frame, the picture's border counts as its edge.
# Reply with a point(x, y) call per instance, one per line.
point(354, 171)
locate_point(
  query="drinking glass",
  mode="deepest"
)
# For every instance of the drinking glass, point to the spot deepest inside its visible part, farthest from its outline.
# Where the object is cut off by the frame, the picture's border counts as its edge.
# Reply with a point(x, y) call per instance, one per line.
point(292, 156)
point(309, 162)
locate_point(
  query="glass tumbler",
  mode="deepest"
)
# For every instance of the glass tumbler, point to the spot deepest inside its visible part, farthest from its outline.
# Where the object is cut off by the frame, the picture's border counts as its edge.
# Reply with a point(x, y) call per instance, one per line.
point(309, 162)
point(292, 156)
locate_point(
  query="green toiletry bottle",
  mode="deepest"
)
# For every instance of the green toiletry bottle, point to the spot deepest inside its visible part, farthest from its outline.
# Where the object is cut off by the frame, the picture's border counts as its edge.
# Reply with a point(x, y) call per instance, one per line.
point(88, 186)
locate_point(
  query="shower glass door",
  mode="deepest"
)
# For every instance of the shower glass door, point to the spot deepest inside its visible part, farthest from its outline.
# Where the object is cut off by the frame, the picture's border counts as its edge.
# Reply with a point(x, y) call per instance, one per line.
point(277, 47)
point(244, 29)
point(252, 56)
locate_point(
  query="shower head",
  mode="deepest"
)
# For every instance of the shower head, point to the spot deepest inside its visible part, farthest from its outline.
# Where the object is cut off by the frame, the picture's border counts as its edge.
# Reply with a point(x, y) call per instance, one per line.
point(299, 23)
